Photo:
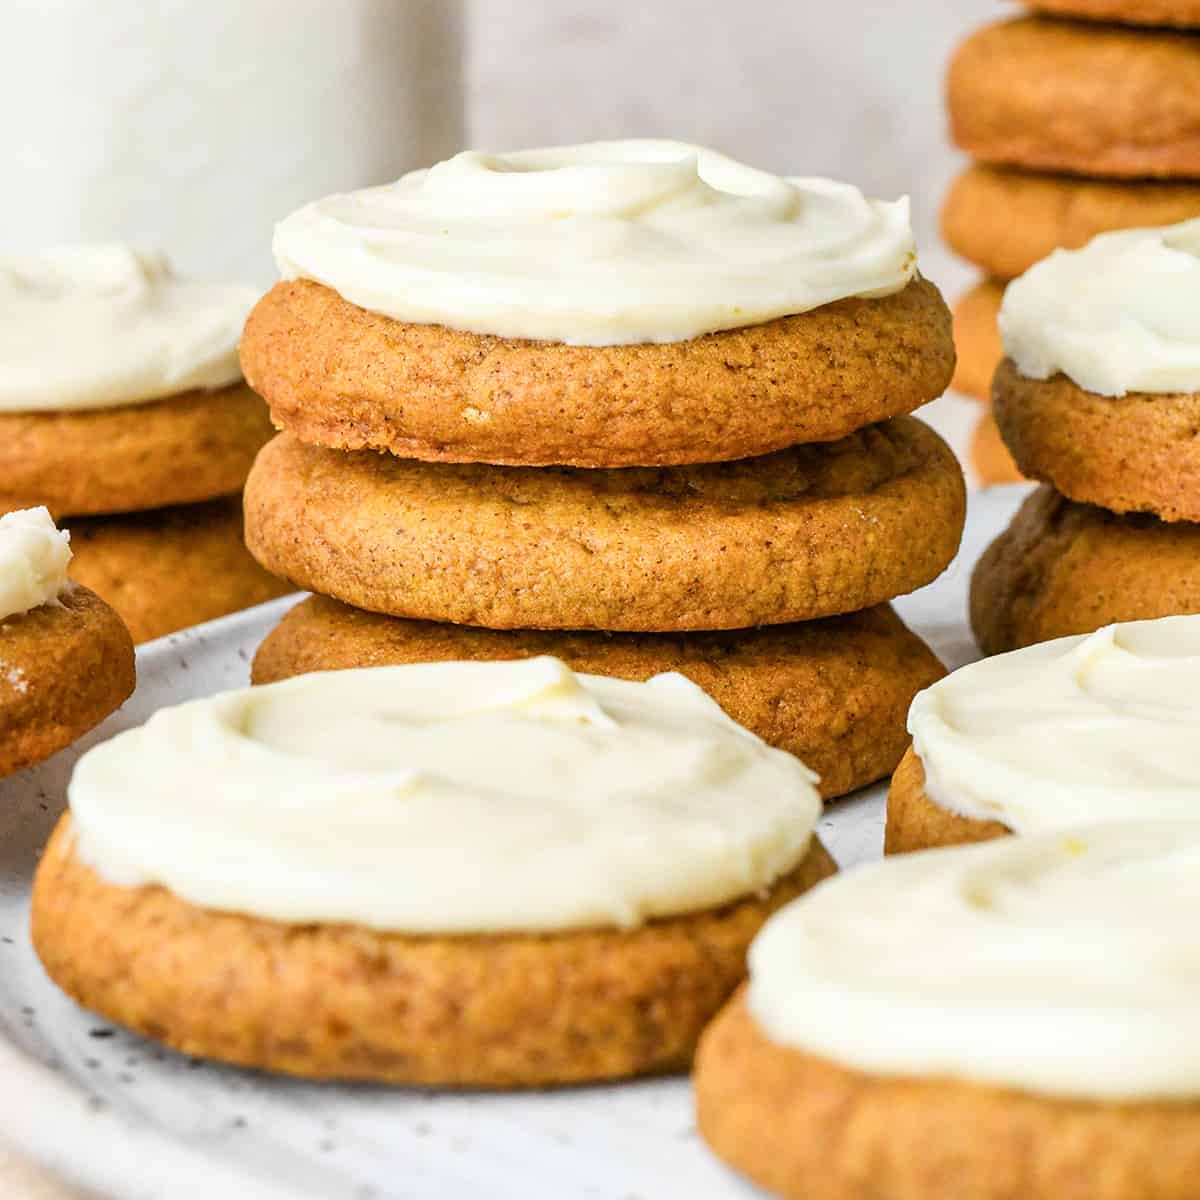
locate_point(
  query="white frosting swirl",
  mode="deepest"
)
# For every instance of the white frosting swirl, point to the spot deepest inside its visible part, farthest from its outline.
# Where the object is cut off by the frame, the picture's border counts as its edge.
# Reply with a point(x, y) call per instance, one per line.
point(1120, 315)
point(1064, 964)
point(447, 798)
point(1071, 732)
point(88, 327)
point(33, 561)
point(600, 244)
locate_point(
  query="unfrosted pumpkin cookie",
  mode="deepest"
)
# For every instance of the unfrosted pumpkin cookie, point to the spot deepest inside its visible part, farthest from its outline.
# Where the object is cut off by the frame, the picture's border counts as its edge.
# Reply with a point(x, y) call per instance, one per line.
point(1063, 568)
point(1183, 13)
point(834, 692)
point(1065, 96)
point(569, 901)
point(1005, 1020)
point(171, 568)
point(120, 388)
point(1070, 733)
point(991, 458)
point(619, 304)
point(1100, 394)
point(1006, 220)
point(977, 339)
point(809, 532)
point(66, 660)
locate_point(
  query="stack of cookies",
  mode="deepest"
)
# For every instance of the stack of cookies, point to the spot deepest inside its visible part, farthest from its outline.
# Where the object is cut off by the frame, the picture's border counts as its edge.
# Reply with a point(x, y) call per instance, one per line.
point(1099, 397)
point(1083, 118)
point(123, 410)
point(633, 405)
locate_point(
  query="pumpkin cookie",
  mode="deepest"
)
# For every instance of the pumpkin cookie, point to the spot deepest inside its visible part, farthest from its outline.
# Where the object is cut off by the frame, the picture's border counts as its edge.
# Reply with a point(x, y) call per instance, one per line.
point(915, 822)
point(573, 901)
point(1005, 220)
point(1064, 96)
point(171, 568)
point(111, 460)
point(990, 456)
point(977, 339)
point(1132, 453)
point(1183, 13)
point(834, 692)
point(66, 660)
point(339, 376)
point(1063, 568)
point(809, 532)
point(966, 1015)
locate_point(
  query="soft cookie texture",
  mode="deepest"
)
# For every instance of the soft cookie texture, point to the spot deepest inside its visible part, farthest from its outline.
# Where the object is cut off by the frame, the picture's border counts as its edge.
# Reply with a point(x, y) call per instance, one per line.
point(915, 822)
point(977, 338)
point(1067, 96)
point(180, 450)
point(1006, 220)
point(809, 532)
point(326, 1001)
point(806, 1128)
point(835, 693)
point(63, 668)
point(1063, 568)
point(338, 376)
point(990, 456)
point(1131, 453)
point(1184, 13)
point(171, 568)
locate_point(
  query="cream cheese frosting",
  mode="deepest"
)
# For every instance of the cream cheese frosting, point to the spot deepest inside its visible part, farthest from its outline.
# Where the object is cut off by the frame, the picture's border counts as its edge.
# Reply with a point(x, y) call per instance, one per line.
point(447, 798)
point(87, 327)
point(34, 556)
point(1120, 315)
point(1063, 965)
point(599, 244)
point(1104, 727)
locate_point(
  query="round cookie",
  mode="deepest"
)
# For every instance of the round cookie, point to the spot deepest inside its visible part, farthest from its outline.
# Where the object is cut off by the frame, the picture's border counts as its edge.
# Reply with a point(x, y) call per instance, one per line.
point(805, 1127)
point(809, 532)
point(915, 822)
point(338, 376)
point(977, 339)
point(63, 668)
point(990, 456)
point(180, 450)
point(344, 1002)
point(1133, 453)
point(1182, 13)
point(1005, 220)
point(834, 693)
point(1091, 100)
point(1062, 568)
point(171, 568)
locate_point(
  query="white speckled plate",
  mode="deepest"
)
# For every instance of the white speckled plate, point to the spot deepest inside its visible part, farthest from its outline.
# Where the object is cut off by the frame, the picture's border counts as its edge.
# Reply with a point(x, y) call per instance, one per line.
point(123, 1117)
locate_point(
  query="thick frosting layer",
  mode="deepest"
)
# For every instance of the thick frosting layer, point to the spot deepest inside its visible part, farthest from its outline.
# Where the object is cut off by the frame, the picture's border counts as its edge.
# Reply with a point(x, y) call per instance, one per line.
point(1064, 964)
point(102, 326)
point(612, 242)
point(33, 561)
point(1120, 315)
point(447, 798)
point(1084, 729)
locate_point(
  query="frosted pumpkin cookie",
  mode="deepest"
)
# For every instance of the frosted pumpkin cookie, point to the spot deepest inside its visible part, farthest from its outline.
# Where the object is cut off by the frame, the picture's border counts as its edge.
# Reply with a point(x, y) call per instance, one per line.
point(1013, 1020)
point(1100, 394)
point(571, 900)
point(1092, 100)
point(1063, 568)
point(639, 303)
point(977, 339)
point(171, 568)
point(834, 693)
point(1005, 220)
point(1073, 732)
point(809, 532)
point(66, 661)
point(120, 388)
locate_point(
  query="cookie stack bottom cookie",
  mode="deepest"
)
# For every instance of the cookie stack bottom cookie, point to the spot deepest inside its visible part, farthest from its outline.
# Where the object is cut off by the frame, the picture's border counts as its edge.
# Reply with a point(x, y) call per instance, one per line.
point(740, 575)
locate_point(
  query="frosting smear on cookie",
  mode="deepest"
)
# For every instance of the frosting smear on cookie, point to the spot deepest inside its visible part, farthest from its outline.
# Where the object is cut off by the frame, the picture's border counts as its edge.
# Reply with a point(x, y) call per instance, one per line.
point(459, 797)
point(599, 244)
point(34, 556)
